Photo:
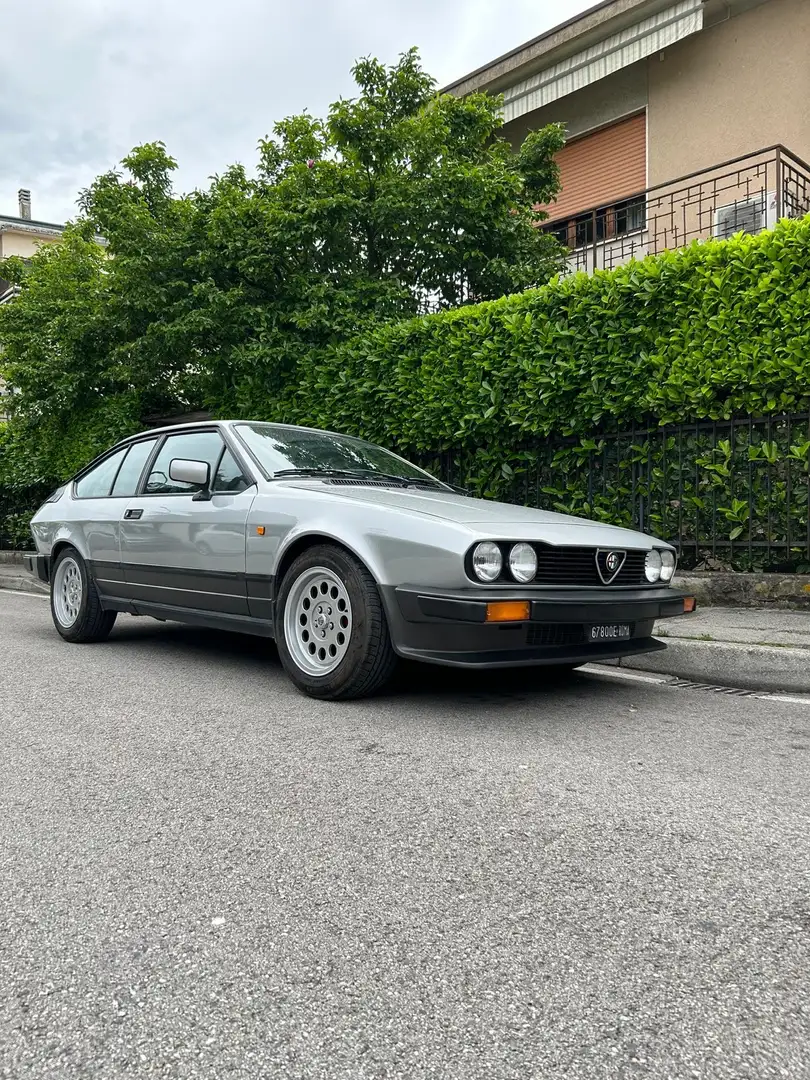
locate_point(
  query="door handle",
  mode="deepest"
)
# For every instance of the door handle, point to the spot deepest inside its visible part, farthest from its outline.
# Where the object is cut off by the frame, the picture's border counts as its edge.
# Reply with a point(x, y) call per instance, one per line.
point(132, 515)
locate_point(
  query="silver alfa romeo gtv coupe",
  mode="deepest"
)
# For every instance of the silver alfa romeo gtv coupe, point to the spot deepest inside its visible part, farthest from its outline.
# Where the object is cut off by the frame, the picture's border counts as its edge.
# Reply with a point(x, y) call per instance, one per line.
point(346, 554)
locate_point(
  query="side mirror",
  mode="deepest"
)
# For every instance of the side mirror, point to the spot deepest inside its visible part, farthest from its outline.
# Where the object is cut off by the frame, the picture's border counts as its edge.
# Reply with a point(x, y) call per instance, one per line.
point(197, 473)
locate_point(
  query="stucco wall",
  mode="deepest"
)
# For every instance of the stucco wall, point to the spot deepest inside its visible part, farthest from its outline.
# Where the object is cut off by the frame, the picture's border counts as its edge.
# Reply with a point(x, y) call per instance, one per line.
point(736, 87)
point(22, 244)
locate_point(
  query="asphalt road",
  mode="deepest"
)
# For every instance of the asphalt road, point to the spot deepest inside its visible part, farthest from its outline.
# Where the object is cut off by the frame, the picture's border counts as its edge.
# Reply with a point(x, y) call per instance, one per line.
point(203, 874)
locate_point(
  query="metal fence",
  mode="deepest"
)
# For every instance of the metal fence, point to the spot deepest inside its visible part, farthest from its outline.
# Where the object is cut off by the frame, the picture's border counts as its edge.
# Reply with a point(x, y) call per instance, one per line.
point(728, 494)
point(744, 194)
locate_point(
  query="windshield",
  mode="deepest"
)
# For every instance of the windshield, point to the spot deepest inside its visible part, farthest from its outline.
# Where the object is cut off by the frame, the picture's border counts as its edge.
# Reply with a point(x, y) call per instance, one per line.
point(280, 449)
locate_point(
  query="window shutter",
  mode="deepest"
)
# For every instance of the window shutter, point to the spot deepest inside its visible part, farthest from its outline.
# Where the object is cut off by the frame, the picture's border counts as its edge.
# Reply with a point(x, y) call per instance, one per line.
point(601, 168)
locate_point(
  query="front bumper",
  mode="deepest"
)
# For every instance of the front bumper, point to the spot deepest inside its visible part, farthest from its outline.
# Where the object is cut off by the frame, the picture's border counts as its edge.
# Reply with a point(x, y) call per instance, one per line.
point(450, 628)
point(39, 566)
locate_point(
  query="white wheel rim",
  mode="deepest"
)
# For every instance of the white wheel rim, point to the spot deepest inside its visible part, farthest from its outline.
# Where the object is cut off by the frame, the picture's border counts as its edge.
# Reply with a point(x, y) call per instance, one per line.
point(67, 592)
point(318, 621)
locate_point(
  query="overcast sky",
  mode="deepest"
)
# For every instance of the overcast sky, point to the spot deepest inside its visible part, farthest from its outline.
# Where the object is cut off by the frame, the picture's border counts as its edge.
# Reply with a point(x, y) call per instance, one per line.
point(83, 81)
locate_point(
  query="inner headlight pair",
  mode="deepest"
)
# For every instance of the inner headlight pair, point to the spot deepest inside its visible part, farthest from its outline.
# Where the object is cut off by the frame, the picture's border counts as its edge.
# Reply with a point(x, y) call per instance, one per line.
point(659, 566)
point(487, 561)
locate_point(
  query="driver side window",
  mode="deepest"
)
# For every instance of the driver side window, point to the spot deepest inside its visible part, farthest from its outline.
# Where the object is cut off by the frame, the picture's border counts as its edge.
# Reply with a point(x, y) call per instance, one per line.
point(194, 446)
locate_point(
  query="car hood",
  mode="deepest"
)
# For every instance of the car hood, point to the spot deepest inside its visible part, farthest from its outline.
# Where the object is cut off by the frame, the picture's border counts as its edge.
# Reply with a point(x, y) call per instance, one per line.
point(486, 518)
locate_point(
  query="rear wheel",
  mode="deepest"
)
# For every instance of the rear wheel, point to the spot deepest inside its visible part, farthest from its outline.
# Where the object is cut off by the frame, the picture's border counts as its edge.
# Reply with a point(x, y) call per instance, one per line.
point(75, 605)
point(331, 630)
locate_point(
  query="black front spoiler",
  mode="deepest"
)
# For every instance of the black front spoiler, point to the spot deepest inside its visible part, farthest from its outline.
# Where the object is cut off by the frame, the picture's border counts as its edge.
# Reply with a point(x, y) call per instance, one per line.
point(550, 656)
point(451, 628)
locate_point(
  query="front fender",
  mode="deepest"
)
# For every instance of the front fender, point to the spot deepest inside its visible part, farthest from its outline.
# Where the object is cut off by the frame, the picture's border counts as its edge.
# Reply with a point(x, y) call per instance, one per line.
point(396, 547)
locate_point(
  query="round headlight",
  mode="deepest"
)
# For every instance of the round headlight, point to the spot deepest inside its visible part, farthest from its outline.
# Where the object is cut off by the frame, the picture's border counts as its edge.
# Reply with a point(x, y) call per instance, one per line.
point(667, 566)
point(652, 566)
point(487, 561)
point(523, 562)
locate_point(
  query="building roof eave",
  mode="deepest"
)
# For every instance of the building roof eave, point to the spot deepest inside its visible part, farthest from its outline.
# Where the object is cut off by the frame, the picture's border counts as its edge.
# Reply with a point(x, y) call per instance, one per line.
point(574, 34)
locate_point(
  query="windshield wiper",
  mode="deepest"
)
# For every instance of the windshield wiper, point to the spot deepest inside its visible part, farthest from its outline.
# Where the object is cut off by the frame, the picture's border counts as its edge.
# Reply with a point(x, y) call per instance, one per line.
point(361, 474)
point(313, 472)
point(407, 481)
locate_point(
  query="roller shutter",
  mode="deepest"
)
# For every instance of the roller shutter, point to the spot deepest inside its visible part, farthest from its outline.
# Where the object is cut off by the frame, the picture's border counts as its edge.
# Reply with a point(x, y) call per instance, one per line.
point(601, 168)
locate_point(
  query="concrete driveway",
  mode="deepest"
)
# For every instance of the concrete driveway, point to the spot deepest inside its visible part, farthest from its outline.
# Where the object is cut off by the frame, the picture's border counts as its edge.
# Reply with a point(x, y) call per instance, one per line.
point(203, 874)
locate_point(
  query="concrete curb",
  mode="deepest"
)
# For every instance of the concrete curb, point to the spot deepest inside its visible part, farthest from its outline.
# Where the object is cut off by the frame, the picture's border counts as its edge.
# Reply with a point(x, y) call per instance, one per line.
point(13, 557)
point(749, 667)
point(16, 579)
point(714, 588)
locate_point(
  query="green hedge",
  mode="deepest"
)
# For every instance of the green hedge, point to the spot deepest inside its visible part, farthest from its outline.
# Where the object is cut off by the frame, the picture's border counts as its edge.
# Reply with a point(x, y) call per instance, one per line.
point(719, 328)
point(525, 393)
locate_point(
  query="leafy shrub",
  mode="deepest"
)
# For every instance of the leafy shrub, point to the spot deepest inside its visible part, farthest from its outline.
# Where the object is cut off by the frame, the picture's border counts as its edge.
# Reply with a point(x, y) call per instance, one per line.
point(716, 329)
point(521, 398)
point(566, 396)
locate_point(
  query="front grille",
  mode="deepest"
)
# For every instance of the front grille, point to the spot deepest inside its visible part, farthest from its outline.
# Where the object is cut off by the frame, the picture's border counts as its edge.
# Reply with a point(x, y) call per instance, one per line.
point(577, 566)
point(569, 566)
point(555, 634)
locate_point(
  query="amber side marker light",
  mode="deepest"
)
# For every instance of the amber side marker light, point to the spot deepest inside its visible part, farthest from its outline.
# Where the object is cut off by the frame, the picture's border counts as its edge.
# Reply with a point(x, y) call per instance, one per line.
point(508, 611)
point(689, 604)
point(260, 530)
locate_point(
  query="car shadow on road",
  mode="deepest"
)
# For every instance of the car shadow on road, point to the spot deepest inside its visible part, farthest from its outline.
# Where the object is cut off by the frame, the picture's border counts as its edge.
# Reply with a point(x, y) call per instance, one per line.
point(412, 681)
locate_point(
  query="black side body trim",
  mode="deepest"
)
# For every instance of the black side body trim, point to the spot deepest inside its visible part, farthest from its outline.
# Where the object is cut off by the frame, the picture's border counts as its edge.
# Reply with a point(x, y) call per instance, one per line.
point(239, 624)
point(214, 591)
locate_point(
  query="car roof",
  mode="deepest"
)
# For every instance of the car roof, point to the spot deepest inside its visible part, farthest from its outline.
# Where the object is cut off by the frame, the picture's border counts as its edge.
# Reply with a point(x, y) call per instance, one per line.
point(194, 425)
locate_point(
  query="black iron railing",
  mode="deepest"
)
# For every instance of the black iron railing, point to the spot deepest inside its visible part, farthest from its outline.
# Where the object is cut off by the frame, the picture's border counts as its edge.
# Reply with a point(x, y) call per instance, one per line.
point(732, 493)
point(745, 194)
point(729, 493)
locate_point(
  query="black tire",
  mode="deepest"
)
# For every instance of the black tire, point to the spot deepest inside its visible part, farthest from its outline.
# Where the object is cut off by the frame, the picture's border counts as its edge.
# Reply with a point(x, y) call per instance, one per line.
point(370, 660)
point(93, 623)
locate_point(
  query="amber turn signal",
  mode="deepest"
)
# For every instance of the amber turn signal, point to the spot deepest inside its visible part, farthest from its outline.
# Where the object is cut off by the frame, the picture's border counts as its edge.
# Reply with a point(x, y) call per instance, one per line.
point(508, 611)
point(689, 604)
point(260, 530)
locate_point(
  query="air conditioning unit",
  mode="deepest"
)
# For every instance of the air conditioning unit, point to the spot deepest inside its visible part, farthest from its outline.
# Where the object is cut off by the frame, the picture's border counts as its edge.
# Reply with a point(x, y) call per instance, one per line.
point(745, 215)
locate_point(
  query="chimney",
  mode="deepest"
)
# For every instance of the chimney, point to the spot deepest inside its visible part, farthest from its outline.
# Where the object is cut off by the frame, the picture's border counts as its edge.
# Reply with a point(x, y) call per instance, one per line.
point(24, 198)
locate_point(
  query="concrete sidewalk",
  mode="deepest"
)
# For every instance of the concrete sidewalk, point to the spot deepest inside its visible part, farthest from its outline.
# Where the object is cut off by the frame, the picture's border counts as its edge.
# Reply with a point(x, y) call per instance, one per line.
point(751, 648)
point(13, 574)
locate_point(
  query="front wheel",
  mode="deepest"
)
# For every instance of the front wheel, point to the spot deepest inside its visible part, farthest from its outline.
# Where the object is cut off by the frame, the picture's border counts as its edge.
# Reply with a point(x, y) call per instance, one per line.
point(331, 629)
point(75, 605)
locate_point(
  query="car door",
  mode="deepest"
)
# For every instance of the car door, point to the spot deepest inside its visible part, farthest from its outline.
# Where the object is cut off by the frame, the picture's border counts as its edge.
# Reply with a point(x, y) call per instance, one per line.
point(98, 497)
point(182, 552)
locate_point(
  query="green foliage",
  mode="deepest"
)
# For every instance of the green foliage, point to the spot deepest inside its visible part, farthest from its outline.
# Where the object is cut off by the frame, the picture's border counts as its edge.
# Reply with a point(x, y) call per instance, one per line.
point(524, 393)
point(293, 295)
point(398, 199)
point(732, 494)
point(719, 328)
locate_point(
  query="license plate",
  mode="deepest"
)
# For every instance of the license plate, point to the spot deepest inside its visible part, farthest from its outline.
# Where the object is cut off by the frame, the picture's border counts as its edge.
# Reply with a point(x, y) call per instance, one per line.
point(611, 632)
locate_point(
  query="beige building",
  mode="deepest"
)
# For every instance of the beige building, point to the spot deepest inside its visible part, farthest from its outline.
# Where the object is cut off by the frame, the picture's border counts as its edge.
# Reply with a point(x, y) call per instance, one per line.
point(22, 236)
point(684, 119)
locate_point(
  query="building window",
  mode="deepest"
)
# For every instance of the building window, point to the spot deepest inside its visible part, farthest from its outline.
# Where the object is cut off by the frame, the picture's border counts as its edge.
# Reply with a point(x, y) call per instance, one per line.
point(606, 223)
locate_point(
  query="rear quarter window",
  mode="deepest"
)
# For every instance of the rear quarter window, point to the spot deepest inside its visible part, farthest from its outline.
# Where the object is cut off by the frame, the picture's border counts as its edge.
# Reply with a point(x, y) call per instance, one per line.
point(98, 483)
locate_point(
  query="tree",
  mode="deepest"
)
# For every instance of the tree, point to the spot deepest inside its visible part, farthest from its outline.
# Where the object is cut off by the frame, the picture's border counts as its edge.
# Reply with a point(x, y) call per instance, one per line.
point(401, 199)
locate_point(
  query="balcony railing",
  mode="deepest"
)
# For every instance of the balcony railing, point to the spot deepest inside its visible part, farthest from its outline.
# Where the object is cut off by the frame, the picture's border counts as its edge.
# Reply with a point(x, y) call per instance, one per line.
point(745, 194)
